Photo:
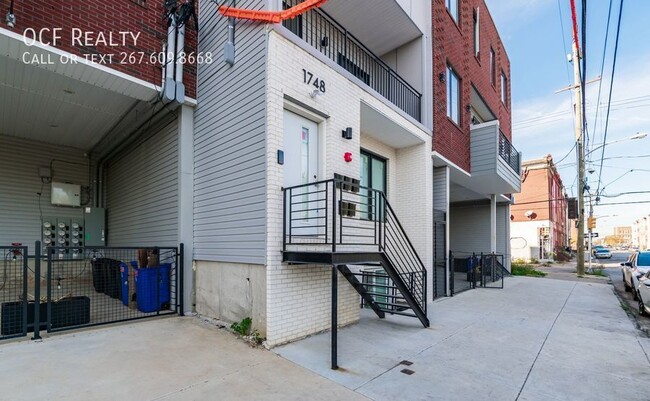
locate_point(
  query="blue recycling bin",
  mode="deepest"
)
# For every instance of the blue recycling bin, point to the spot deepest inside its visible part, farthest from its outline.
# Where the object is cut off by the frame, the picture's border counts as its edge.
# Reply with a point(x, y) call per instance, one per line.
point(152, 287)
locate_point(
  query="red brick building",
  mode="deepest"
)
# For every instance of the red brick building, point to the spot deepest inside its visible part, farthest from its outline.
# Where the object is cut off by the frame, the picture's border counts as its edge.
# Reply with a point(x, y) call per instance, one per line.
point(479, 69)
point(539, 215)
point(476, 168)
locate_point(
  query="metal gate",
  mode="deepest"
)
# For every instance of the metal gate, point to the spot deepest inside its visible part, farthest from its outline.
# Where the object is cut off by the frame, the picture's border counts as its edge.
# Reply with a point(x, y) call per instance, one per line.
point(81, 287)
point(13, 292)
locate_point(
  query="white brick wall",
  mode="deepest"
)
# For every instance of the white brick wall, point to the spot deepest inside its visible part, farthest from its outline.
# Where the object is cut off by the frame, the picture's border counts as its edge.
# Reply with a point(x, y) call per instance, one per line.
point(298, 297)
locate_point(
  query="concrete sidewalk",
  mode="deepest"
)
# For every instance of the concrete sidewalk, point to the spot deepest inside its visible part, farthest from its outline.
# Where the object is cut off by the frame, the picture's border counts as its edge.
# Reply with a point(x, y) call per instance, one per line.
point(537, 339)
point(164, 359)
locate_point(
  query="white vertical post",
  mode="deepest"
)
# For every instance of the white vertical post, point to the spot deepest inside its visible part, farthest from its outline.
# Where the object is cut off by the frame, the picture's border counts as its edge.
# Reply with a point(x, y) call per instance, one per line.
point(186, 199)
point(493, 223)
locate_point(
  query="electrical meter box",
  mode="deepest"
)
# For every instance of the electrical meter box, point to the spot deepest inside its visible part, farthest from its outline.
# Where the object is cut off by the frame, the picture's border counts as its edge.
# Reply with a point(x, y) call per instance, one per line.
point(66, 194)
point(95, 229)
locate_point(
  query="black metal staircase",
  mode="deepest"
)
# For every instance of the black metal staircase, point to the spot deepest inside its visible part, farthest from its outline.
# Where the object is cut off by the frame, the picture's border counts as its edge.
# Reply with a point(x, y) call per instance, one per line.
point(341, 223)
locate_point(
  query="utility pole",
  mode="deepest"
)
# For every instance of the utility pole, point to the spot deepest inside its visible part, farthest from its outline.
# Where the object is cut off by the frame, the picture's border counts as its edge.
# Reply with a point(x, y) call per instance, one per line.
point(579, 142)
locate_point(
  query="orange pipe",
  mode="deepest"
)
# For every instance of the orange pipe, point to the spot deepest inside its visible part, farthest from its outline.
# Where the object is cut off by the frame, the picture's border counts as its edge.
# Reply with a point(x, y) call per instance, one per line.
point(270, 16)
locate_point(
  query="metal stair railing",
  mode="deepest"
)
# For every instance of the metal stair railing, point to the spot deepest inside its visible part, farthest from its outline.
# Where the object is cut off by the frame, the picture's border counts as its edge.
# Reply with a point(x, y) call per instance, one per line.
point(401, 253)
point(341, 216)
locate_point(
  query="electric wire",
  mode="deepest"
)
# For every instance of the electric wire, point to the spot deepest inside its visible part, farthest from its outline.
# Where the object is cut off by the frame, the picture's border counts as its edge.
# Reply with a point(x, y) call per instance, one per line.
point(602, 64)
point(611, 88)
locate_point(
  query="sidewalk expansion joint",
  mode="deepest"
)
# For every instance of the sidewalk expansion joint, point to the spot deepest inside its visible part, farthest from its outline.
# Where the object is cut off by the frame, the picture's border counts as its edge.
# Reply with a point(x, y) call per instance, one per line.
point(544, 342)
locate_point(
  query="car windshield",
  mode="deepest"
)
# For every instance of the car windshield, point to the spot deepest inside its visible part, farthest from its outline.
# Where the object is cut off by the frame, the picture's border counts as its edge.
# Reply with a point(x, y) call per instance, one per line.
point(643, 259)
point(602, 250)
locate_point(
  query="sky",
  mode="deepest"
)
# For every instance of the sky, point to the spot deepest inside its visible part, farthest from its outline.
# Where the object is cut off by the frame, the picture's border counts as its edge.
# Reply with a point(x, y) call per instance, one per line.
point(537, 35)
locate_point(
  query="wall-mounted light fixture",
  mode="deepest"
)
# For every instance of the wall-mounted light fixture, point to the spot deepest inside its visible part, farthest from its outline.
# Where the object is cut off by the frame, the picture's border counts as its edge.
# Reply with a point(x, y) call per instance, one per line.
point(442, 77)
point(325, 41)
point(347, 133)
point(11, 17)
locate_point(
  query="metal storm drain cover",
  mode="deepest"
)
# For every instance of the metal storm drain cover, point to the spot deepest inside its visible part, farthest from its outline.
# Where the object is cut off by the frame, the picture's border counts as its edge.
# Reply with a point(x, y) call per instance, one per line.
point(407, 371)
point(405, 362)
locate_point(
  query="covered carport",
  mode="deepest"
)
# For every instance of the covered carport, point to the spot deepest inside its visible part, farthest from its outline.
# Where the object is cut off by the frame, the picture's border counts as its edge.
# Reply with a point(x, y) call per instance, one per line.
point(91, 163)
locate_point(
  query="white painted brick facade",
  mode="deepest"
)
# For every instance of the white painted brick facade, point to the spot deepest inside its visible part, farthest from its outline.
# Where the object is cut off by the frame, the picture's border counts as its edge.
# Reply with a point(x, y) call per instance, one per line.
point(298, 297)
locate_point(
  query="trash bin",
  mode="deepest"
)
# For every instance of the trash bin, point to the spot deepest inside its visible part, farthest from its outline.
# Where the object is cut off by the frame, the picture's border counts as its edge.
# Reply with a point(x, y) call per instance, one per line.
point(106, 276)
point(152, 287)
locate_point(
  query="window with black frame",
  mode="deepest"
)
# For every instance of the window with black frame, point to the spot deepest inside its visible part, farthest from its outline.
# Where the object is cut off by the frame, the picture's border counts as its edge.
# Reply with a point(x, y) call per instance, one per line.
point(373, 179)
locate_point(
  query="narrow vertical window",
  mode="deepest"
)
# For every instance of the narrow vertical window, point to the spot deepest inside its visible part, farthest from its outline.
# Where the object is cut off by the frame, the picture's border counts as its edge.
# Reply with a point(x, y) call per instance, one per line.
point(504, 88)
point(453, 96)
point(477, 39)
point(452, 6)
point(492, 67)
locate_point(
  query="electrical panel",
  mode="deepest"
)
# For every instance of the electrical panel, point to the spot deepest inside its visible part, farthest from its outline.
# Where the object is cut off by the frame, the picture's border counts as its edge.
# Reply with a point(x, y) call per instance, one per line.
point(71, 234)
point(95, 219)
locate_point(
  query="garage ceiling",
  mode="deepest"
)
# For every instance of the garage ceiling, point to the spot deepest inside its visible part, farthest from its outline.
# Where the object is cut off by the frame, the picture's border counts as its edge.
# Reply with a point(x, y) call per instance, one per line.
point(43, 105)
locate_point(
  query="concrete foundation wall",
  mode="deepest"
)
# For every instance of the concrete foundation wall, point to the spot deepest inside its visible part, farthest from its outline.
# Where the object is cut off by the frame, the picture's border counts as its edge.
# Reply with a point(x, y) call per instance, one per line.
point(231, 292)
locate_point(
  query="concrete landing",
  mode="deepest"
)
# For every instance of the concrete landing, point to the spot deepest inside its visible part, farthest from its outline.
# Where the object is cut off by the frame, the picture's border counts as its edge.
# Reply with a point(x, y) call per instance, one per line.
point(164, 359)
point(537, 339)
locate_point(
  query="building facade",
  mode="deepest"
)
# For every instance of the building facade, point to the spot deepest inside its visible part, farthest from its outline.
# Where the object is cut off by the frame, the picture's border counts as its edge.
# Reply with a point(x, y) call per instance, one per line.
point(641, 233)
point(624, 234)
point(476, 168)
point(539, 227)
point(82, 106)
point(356, 134)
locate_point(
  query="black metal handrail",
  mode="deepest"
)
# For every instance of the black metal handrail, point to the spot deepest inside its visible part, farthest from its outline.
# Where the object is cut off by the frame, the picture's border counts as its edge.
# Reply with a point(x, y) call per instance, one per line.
point(508, 153)
point(346, 216)
point(325, 34)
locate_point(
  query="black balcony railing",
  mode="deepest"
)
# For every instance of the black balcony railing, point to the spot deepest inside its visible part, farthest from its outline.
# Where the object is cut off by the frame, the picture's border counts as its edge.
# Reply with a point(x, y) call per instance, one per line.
point(508, 153)
point(322, 32)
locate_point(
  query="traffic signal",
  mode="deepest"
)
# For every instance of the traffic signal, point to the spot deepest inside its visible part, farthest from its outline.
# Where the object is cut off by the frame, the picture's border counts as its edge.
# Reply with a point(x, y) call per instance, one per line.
point(591, 223)
point(572, 204)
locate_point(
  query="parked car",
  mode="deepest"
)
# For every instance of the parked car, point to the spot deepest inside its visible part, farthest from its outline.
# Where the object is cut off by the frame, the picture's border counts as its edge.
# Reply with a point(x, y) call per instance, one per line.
point(596, 248)
point(603, 253)
point(637, 265)
point(644, 295)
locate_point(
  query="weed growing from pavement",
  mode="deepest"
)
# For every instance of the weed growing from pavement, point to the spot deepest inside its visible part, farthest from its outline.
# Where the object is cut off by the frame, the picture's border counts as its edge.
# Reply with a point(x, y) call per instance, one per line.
point(244, 327)
point(526, 270)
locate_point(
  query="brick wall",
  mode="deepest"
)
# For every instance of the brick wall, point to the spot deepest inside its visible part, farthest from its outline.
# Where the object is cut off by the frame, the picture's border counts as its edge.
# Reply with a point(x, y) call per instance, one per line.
point(542, 192)
point(453, 44)
point(137, 16)
point(534, 196)
point(298, 297)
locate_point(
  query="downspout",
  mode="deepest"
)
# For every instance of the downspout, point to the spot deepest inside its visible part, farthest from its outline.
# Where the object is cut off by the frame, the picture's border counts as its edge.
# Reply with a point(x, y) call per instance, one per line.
point(169, 86)
point(180, 59)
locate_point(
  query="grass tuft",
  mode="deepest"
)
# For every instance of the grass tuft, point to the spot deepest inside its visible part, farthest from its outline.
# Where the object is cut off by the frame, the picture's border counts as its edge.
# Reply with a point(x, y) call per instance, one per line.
point(526, 270)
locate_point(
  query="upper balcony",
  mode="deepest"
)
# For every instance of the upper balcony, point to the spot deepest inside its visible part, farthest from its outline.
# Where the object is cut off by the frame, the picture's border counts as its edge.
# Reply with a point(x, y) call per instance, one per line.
point(496, 164)
point(334, 39)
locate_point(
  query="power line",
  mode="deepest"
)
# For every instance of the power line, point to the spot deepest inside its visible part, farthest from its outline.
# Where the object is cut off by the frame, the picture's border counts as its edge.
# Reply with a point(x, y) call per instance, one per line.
point(611, 89)
point(602, 64)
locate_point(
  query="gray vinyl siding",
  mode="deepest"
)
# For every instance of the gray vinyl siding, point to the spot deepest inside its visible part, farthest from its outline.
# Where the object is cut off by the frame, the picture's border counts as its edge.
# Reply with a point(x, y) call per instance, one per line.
point(484, 149)
point(20, 219)
point(142, 191)
point(440, 201)
point(230, 148)
point(469, 229)
point(485, 157)
point(505, 172)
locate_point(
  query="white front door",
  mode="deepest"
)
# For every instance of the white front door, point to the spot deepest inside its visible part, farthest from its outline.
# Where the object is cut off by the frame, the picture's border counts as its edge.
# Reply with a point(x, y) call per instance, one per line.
point(300, 168)
point(300, 150)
